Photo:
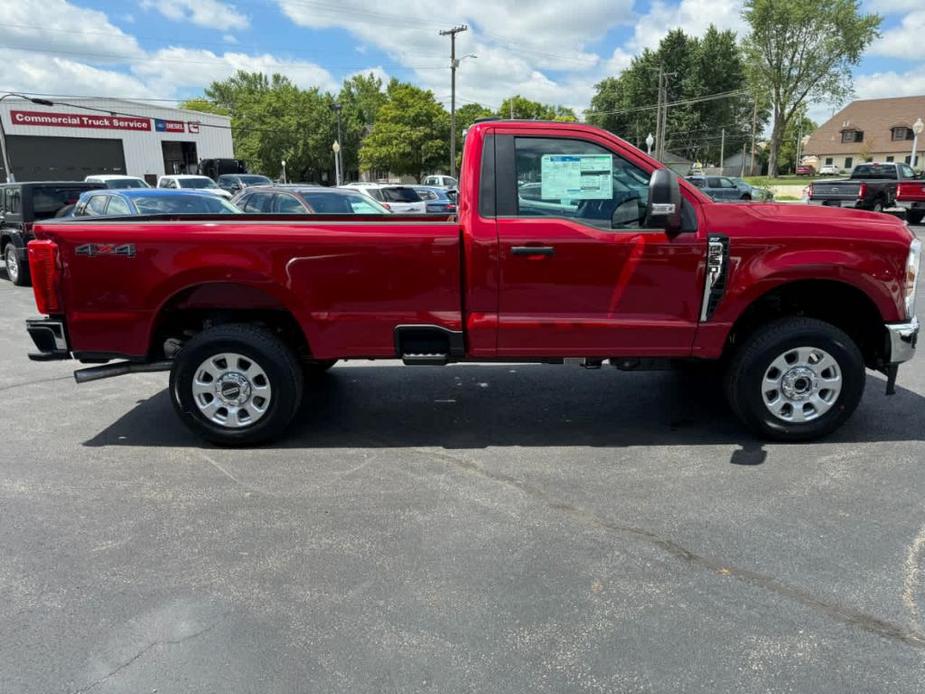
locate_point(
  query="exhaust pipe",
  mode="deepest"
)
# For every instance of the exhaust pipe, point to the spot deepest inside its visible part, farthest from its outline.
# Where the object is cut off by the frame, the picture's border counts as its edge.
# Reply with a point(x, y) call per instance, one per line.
point(95, 373)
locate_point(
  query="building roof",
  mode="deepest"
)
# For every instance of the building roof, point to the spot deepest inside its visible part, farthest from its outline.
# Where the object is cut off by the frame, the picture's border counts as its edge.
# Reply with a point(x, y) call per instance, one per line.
point(875, 117)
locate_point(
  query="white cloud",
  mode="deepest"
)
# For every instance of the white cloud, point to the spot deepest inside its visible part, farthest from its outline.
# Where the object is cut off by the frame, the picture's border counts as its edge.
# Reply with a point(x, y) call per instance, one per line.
point(904, 41)
point(30, 72)
point(693, 16)
point(62, 29)
point(170, 69)
point(885, 84)
point(207, 13)
point(230, 38)
point(894, 6)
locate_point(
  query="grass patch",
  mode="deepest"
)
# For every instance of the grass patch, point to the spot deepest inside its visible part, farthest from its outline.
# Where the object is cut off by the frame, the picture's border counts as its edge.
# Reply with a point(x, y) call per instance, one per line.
point(764, 181)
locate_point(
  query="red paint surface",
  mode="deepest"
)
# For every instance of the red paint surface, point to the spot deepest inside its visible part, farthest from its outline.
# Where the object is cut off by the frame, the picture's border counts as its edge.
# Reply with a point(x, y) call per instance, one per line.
point(349, 283)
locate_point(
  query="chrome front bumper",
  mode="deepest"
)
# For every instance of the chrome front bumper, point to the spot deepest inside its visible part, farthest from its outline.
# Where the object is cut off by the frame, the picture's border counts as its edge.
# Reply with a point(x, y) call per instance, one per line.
point(903, 338)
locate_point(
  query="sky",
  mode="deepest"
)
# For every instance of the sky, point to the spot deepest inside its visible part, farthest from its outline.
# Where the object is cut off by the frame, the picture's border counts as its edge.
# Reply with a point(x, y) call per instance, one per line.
point(553, 51)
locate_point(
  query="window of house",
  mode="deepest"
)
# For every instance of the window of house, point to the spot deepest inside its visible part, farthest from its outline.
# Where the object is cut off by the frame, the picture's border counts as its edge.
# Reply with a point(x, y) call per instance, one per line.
point(890, 158)
point(902, 133)
point(849, 162)
point(562, 177)
point(829, 161)
point(852, 136)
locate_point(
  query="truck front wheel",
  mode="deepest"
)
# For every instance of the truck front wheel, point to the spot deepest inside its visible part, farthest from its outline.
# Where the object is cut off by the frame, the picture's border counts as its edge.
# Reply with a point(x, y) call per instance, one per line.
point(236, 384)
point(796, 379)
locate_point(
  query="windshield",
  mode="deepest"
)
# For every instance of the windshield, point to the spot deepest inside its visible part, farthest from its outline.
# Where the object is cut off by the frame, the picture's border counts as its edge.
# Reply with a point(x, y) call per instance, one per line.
point(123, 183)
point(886, 171)
point(184, 204)
point(198, 182)
point(253, 180)
point(48, 200)
point(323, 202)
point(400, 194)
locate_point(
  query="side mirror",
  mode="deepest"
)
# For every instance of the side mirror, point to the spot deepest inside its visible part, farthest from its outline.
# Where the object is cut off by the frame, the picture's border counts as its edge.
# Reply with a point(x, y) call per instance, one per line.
point(663, 209)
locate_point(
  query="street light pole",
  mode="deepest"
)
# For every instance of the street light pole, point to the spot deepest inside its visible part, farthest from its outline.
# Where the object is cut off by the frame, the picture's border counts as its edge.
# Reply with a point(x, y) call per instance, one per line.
point(453, 65)
point(917, 129)
point(7, 167)
point(283, 162)
point(337, 170)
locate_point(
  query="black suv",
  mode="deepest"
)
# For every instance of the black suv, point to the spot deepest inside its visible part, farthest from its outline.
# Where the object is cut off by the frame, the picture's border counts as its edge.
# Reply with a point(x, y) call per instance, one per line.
point(22, 204)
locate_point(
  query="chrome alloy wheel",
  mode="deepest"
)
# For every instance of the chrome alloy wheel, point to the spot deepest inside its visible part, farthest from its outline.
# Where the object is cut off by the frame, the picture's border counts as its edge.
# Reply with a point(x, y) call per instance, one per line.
point(12, 263)
point(801, 384)
point(231, 390)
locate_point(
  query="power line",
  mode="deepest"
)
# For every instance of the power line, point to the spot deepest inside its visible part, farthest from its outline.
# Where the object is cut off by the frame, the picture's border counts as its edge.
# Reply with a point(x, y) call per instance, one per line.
point(681, 102)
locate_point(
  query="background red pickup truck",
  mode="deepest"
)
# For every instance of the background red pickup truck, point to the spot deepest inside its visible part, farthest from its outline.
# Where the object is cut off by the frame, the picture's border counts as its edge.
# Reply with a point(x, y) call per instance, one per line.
point(910, 195)
point(569, 244)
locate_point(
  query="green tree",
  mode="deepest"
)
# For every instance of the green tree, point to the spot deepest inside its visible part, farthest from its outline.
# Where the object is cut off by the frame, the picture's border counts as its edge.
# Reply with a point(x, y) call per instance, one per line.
point(521, 107)
point(803, 50)
point(695, 68)
point(360, 97)
point(410, 135)
point(799, 127)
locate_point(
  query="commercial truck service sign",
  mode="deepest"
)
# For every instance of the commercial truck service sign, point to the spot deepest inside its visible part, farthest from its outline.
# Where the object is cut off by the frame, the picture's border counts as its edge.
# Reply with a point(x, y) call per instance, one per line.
point(79, 120)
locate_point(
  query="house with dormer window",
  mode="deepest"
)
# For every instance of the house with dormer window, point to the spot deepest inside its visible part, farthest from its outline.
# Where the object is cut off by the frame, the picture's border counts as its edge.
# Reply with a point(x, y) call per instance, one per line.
point(869, 130)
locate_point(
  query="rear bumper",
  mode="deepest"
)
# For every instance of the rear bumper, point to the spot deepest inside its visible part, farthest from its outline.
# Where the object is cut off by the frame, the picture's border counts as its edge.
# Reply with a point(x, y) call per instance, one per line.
point(837, 202)
point(50, 339)
point(903, 340)
point(911, 204)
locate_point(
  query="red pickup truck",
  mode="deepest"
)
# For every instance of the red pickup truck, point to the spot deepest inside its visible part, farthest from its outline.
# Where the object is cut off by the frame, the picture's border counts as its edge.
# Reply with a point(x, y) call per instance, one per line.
point(569, 245)
point(910, 195)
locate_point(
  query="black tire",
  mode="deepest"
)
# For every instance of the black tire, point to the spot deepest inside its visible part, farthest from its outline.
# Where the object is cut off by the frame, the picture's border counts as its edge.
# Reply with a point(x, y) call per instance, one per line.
point(263, 348)
point(747, 197)
point(753, 359)
point(878, 206)
point(915, 217)
point(17, 271)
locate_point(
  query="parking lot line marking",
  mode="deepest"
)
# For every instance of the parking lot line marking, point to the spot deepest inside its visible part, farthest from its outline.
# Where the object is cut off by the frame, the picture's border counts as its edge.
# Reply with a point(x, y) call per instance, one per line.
point(911, 576)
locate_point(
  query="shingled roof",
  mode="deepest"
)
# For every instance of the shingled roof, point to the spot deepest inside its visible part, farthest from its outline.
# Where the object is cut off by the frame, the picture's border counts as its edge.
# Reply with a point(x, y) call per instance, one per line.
point(873, 116)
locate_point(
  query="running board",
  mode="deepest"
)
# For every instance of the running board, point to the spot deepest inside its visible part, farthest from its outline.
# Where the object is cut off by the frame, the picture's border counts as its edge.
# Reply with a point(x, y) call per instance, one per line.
point(425, 359)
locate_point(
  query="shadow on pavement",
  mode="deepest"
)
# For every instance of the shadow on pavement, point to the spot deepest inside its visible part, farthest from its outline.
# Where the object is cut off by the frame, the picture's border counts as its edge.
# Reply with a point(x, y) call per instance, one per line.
point(519, 405)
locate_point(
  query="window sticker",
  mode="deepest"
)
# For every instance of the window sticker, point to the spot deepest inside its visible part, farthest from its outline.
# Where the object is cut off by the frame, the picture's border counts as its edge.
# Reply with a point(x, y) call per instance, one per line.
point(576, 177)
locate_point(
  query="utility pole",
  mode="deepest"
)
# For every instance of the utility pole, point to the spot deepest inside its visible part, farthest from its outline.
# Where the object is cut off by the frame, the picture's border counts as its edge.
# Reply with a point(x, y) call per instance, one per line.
point(453, 65)
point(751, 167)
point(658, 116)
point(722, 153)
point(512, 108)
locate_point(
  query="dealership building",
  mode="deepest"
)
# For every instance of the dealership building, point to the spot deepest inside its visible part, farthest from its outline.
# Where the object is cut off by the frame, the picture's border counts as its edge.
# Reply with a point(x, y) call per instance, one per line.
point(76, 137)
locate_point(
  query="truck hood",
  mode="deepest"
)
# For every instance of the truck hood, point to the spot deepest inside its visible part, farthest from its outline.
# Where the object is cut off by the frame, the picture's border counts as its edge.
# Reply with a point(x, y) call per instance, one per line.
point(764, 220)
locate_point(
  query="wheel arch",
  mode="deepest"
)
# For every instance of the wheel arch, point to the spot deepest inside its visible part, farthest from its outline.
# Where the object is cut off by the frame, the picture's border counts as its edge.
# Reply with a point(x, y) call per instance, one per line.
point(840, 303)
point(194, 307)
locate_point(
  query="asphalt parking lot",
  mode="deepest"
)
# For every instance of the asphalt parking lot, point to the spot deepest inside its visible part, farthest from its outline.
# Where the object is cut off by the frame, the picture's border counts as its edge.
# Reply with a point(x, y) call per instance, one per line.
point(515, 528)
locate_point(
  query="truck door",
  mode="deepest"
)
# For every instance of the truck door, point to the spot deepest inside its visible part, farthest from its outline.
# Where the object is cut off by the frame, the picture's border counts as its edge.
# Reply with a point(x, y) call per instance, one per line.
point(580, 274)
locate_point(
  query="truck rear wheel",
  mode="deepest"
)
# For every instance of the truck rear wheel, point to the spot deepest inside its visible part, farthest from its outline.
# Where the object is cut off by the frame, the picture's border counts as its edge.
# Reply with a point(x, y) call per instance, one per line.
point(796, 379)
point(236, 384)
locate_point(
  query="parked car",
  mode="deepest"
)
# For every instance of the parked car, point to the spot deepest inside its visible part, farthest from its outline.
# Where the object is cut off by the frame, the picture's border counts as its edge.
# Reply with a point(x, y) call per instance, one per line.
point(397, 198)
point(828, 170)
point(754, 192)
point(910, 195)
point(440, 181)
point(115, 181)
point(437, 200)
point(235, 183)
point(720, 187)
point(137, 201)
point(296, 198)
point(23, 204)
point(872, 186)
point(213, 168)
point(792, 306)
point(192, 182)
point(806, 170)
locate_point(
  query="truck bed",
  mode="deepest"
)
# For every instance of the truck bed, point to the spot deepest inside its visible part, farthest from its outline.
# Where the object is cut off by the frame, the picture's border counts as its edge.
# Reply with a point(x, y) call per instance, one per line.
point(347, 279)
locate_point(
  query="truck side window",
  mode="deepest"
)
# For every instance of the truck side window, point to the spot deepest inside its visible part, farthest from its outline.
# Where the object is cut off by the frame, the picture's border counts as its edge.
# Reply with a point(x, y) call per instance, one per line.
point(559, 177)
point(117, 206)
point(97, 205)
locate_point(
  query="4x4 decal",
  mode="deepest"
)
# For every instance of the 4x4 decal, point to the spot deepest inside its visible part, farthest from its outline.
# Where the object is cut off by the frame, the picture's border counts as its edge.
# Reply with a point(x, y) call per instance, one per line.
point(96, 249)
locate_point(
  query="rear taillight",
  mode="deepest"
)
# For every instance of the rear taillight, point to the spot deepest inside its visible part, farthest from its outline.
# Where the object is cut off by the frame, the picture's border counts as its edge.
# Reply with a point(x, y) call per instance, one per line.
point(43, 266)
point(451, 208)
point(862, 190)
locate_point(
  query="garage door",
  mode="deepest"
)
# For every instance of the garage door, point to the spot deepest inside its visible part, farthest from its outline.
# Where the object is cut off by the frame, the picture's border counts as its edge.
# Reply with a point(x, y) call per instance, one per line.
point(36, 158)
